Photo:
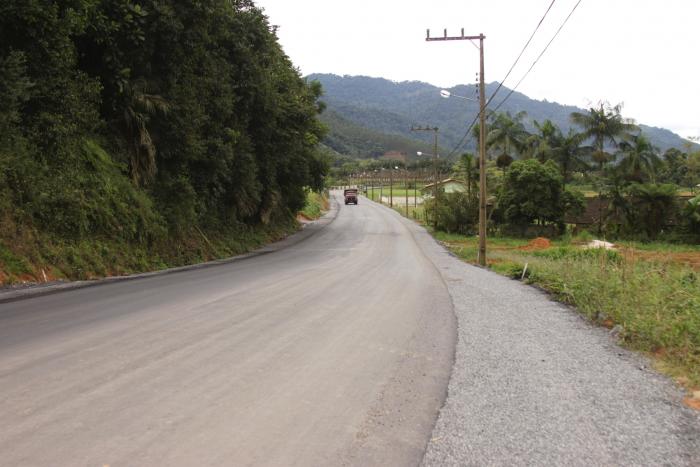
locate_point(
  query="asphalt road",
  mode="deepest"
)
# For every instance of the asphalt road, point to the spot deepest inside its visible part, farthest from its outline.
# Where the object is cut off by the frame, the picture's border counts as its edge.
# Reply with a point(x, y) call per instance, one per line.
point(333, 351)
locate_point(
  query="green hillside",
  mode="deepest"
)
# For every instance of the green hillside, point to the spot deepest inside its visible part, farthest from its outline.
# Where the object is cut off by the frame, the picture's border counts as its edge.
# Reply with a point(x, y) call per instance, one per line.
point(392, 107)
point(140, 135)
point(351, 139)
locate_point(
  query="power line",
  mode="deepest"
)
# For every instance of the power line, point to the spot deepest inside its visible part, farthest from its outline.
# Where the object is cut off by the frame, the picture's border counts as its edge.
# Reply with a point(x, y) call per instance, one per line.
point(466, 135)
point(539, 56)
point(500, 85)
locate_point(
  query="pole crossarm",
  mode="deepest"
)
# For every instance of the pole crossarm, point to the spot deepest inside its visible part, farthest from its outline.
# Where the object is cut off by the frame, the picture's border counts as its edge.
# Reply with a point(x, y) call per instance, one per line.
point(445, 37)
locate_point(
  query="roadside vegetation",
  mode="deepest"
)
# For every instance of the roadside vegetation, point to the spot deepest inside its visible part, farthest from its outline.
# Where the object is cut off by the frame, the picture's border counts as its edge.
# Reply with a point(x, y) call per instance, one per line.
point(651, 301)
point(136, 136)
point(552, 194)
point(316, 204)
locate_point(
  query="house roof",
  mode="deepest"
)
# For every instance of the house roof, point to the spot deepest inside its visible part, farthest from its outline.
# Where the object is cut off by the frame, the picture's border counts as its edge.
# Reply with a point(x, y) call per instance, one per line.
point(447, 180)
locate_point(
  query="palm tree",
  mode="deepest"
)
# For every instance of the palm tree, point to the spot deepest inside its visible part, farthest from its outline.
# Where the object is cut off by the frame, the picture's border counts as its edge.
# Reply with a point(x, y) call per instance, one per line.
point(139, 105)
point(603, 125)
point(543, 143)
point(569, 154)
point(639, 158)
point(507, 133)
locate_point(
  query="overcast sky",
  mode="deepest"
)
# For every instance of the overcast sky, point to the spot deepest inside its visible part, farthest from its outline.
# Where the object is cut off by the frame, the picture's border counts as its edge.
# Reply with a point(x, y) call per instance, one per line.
point(642, 53)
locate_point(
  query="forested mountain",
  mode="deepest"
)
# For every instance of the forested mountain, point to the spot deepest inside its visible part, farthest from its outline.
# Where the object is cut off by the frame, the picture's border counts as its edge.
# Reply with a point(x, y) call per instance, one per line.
point(149, 123)
point(352, 139)
point(392, 107)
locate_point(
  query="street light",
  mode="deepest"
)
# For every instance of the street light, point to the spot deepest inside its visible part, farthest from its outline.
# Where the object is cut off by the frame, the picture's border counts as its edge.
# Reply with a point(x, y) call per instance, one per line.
point(447, 94)
point(391, 185)
point(435, 131)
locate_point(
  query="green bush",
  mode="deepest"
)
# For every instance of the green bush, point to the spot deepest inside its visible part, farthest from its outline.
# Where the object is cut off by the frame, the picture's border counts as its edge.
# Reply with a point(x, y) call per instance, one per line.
point(456, 213)
point(651, 206)
point(314, 205)
point(532, 192)
point(93, 197)
point(691, 216)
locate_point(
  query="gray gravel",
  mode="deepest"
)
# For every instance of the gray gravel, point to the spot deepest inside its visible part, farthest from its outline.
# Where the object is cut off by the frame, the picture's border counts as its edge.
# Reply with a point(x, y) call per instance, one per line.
point(535, 384)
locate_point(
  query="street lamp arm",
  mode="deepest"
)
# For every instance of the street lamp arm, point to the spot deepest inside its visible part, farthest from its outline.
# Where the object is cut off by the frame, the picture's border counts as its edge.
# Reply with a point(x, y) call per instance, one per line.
point(447, 94)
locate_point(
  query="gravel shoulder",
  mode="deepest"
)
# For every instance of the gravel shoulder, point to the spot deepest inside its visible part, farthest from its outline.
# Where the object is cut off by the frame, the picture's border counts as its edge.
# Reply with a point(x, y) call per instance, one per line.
point(535, 384)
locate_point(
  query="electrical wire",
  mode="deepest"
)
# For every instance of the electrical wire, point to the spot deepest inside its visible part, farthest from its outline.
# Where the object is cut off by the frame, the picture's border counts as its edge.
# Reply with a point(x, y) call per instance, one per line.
point(539, 56)
point(517, 59)
point(500, 85)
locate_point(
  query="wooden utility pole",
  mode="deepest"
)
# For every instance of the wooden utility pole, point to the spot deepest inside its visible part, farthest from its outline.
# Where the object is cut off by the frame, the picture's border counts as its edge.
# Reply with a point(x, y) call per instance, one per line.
point(405, 185)
point(436, 183)
point(415, 189)
point(482, 135)
point(391, 186)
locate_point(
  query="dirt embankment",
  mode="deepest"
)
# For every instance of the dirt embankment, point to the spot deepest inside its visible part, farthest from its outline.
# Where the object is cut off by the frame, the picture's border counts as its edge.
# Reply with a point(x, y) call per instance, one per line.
point(539, 243)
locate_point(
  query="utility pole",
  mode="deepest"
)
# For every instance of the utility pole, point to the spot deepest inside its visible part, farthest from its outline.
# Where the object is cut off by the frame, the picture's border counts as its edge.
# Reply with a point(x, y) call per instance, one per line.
point(415, 190)
point(482, 135)
point(381, 187)
point(405, 185)
point(391, 186)
point(436, 183)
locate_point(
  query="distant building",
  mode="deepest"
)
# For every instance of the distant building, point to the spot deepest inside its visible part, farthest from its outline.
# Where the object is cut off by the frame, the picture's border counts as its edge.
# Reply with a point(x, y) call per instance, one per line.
point(396, 156)
point(449, 185)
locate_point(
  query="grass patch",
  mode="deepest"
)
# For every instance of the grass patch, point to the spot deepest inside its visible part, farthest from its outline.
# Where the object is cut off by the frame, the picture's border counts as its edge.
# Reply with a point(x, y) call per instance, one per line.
point(397, 192)
point(12, 264)
point(316, 203)
point(659, 247)
point(37, 257)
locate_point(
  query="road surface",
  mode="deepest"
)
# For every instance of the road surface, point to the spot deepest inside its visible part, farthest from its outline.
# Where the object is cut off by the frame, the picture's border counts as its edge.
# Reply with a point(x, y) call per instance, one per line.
point(334, 351)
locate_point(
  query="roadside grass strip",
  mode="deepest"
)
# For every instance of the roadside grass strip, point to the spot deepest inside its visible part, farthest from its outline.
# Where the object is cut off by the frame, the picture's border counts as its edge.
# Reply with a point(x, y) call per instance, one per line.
point(651, 304)
point(316, 204)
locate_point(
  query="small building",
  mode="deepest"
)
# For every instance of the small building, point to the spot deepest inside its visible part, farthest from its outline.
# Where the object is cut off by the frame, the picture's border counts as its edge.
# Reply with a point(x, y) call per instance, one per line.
point(449, 185)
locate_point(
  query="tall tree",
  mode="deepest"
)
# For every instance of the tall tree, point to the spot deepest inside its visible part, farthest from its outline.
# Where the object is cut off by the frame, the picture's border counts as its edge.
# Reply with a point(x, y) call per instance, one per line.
point(605, 127)
point(468, 171)
point(542, 144)
point(570, 155)
point(674, 168)
point(531, 192)
point(639, 159)
point(507, 133)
